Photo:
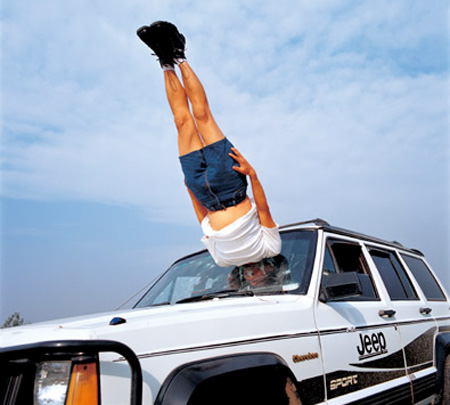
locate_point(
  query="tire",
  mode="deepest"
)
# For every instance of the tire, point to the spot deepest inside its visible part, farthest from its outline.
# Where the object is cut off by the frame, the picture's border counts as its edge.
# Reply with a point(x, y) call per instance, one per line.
point(446, 386)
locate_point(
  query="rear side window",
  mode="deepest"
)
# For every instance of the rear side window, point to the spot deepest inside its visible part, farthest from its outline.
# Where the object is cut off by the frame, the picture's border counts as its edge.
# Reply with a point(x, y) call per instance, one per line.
point(393, 274)
point(426, 280)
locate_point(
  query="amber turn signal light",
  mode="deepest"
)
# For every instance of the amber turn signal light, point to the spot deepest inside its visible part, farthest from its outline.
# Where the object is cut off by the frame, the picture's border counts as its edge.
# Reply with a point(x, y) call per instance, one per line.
point(83, 389)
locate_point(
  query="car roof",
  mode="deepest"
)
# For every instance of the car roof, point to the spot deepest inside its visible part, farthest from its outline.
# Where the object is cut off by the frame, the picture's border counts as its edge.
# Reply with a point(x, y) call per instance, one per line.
point(319, 223)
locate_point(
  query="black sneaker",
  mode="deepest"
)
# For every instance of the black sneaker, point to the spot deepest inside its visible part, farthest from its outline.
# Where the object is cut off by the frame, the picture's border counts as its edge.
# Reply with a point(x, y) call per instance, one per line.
point(165, 40)
point(156, 38)
point(178, 42)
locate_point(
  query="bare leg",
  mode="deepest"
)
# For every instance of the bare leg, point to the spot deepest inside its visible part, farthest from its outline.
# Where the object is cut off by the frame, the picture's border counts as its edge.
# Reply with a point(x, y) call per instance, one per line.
point(204, 119)
point(188, 136)
point(195, 131)
point(291, 392)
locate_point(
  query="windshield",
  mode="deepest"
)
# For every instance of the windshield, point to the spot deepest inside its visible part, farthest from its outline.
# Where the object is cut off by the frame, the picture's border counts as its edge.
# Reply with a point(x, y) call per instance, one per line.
point(197, 277)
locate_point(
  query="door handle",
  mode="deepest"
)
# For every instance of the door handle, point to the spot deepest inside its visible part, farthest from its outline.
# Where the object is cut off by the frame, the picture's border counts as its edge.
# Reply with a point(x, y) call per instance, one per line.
point(386, 313)
point(425, 311)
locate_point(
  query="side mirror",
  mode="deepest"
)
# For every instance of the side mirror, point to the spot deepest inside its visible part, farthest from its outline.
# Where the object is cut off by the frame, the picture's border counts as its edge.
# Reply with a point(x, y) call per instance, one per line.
point(338, 286)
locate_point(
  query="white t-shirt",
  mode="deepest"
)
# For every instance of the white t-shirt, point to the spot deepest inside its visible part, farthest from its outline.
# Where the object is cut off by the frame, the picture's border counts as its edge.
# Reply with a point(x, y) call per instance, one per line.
point(243, 241)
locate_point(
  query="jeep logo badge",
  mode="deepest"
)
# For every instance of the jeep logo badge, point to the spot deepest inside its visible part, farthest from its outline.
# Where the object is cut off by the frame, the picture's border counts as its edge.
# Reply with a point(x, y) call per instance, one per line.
point(371, 345)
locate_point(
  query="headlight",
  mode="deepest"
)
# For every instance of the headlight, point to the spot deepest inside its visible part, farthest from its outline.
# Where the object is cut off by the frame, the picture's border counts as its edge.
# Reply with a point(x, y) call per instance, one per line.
point(52, 381)
point(66, 383)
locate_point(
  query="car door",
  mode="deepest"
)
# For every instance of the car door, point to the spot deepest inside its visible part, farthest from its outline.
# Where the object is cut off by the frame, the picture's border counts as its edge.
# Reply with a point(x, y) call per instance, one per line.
point(361, 346)
point(414, 313)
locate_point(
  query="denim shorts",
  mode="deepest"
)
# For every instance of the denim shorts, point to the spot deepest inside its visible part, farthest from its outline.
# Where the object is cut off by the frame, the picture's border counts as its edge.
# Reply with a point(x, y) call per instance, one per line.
point(210, 176)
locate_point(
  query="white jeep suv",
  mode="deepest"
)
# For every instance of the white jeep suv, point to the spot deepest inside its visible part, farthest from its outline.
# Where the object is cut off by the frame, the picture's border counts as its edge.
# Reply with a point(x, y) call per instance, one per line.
point(337, 318)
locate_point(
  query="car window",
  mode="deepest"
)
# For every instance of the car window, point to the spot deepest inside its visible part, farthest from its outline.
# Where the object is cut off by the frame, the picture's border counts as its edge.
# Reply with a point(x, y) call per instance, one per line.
point(199, 276)
point(393, 274)
point(343, 256)
point(425, 278)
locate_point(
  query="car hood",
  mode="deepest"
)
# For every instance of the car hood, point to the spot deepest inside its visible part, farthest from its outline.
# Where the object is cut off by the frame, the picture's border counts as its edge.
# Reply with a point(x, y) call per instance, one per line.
point(178, 326)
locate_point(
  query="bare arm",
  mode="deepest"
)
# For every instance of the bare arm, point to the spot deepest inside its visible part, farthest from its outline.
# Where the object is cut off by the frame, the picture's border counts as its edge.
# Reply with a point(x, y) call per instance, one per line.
point(259, 196)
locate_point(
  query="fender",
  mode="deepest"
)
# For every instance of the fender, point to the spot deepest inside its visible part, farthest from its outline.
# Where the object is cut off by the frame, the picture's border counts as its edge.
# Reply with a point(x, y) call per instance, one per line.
point(442, 351)
point(181, 382)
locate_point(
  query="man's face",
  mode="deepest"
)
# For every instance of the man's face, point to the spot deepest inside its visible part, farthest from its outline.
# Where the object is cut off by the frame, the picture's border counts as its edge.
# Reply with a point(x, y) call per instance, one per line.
point(256, 273)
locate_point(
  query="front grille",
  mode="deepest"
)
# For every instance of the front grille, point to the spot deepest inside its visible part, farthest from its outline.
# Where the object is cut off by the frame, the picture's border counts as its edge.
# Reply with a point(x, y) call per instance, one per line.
point(18, 366)
point(17, 382)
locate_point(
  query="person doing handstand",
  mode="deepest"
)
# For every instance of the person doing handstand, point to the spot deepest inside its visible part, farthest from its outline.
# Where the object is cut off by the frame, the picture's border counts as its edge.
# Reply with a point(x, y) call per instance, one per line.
point(236, 229)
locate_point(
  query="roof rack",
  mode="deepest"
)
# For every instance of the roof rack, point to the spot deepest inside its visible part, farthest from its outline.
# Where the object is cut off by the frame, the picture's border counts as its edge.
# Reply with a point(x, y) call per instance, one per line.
point(324, 224)
point(317, 221)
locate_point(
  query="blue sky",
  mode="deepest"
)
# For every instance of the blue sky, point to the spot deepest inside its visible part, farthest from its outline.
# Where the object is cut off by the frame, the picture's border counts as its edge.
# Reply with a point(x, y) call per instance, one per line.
point(342, 107)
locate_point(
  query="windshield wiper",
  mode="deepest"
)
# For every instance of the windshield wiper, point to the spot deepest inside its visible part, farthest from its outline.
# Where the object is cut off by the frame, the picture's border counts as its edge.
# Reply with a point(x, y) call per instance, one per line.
point(217, 294)
point(160, 304)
